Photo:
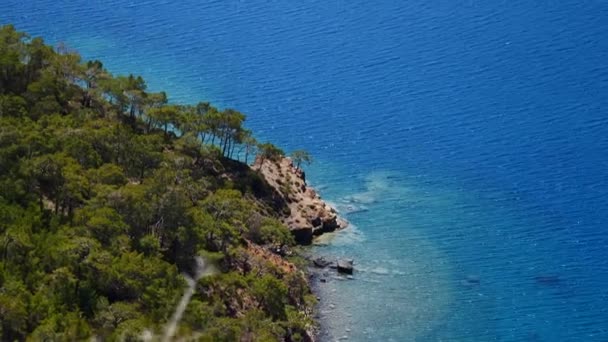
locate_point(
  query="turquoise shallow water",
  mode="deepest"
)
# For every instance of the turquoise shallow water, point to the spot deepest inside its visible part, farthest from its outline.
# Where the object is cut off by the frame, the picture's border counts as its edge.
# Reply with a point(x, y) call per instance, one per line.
point(472, 136)
point(419, 250)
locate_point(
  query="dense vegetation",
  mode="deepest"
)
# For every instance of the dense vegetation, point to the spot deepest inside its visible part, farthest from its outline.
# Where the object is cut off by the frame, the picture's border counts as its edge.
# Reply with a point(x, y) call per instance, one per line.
point(108, 192)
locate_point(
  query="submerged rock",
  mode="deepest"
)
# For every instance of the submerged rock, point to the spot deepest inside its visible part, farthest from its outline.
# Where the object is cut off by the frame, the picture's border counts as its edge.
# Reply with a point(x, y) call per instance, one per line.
point(471, 281)
point(547, 279)
point(353, 209)
point(345, 266)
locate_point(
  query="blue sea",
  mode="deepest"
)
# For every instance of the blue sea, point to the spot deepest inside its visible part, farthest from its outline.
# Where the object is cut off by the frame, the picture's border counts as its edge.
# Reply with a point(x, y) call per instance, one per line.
point(466, 142)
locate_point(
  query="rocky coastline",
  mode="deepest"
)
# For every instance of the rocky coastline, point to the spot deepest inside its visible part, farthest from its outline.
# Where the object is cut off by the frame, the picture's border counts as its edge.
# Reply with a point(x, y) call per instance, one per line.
point(307, 216)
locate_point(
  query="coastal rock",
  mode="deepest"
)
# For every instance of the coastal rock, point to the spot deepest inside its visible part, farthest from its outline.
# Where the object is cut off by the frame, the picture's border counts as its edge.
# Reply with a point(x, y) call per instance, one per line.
point(321, 262)
point(302, 235)
point(307, 215)
point(281, 250)
point(345, 266)
point(255, 257)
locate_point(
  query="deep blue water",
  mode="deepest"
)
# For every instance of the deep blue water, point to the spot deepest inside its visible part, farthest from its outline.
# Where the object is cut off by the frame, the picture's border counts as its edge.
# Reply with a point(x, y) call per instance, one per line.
point(475, 135)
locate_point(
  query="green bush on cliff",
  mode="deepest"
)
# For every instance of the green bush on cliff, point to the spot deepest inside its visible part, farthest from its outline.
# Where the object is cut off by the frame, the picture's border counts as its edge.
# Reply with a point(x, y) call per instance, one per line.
point(107, 193)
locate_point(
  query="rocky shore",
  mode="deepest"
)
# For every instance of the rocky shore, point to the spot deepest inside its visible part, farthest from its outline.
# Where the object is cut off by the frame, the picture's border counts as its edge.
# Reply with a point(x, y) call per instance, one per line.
point(308, 215)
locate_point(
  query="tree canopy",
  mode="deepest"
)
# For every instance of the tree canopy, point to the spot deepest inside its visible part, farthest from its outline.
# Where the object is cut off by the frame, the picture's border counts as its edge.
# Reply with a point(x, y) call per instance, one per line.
point(301, 156)
point(108, 192)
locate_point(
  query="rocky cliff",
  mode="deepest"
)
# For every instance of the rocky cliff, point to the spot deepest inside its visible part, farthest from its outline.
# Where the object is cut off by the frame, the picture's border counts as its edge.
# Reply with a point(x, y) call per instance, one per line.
point(308, 214)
